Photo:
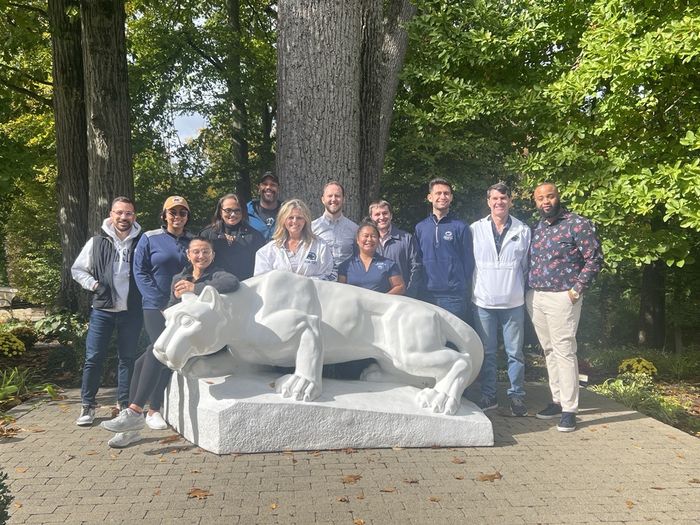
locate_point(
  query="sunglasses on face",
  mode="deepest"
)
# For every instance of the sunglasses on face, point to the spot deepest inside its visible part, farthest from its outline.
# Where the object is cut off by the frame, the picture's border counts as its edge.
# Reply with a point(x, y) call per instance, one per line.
point(232, 211)
point(178, 213)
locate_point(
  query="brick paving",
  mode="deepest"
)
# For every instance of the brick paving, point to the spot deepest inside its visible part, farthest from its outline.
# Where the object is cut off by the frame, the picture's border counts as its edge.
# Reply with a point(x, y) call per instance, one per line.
point(618, 467)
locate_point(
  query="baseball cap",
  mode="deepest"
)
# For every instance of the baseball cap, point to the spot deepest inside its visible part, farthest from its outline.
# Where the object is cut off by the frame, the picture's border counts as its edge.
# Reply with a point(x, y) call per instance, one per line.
point(175, 200)
point(269, 175)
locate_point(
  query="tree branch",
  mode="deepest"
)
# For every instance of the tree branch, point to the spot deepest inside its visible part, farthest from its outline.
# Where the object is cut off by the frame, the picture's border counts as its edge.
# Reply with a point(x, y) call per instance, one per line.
point(32, 8)
point(28, 93)
point(25, 75)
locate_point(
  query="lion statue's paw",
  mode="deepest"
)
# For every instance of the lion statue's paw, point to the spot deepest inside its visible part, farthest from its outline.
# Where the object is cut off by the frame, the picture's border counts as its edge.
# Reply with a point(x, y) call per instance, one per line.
point(438, 402)
point(297, 387)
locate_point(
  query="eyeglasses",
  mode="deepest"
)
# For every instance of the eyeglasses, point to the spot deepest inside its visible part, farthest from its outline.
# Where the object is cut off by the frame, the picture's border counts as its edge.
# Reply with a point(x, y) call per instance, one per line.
point(204, 252)
point(176, 213)
point(232, 211)
point(121, 213)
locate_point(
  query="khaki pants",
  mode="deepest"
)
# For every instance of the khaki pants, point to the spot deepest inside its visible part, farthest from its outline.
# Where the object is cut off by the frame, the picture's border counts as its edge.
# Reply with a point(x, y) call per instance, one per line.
point(556, 321)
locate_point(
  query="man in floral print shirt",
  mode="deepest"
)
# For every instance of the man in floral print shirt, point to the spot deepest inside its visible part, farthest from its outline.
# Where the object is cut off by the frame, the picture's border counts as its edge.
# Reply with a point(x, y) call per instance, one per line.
point(565, 257)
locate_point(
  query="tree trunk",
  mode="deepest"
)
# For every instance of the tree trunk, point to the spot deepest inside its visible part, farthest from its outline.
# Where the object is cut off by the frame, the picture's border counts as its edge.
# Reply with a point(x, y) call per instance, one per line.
point(652, 306)
point(107, 106)
point(318, 99)
point(71, 141)
point(395, 43)
point(239, 112)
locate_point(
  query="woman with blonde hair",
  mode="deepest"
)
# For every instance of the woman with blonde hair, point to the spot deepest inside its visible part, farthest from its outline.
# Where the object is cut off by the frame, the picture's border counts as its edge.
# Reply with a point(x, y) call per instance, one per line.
point(294, 247)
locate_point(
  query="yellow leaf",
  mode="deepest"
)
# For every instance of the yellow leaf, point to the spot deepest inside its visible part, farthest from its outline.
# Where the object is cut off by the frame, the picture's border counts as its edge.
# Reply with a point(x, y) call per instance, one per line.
point(343, 499)
point(434, 499)
point(21, 470)
point(388, 489)
point(195, 471)
point(195, 492)
point(274, 506)
point(91, 453)
point(358, 521)
point(459, 477)
point(18, 505)
point(351, 478)
point(680, 456)
point(360, 496)
point(458, 460)
point(489, 477)
point(629, 503)
point(396, 448)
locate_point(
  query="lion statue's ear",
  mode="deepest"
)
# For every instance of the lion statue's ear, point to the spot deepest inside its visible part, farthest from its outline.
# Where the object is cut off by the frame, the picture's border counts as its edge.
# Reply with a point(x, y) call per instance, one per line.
point(210, 296)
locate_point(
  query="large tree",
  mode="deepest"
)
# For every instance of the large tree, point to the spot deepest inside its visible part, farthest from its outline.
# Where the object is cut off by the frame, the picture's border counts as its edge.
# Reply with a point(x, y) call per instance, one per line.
point(337, 69)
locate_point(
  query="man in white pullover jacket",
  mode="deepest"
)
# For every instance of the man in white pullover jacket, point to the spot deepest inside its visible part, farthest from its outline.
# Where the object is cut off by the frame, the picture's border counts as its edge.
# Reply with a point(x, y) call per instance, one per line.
point(104, 267)
point(501, 245)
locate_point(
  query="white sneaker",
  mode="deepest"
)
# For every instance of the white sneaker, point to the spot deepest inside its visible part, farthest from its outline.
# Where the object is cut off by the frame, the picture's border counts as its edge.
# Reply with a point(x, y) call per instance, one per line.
point(124, 439)
point(87, 416)
point(126, 420)
point(156, 421)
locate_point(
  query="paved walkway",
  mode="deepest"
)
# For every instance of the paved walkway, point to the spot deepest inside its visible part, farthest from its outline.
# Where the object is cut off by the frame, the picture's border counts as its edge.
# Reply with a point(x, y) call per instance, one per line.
point(618, 467)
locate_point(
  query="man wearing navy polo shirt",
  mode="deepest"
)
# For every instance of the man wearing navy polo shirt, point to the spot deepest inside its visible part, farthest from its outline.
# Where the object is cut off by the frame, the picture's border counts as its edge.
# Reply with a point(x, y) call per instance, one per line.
point(445, 246)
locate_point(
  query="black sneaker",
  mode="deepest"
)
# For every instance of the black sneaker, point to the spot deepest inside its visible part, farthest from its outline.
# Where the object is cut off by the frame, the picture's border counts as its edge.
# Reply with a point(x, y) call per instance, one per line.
point(552, 411)
point(517, 407)
point(487, 403)
point(567, 423)
point(86, 417)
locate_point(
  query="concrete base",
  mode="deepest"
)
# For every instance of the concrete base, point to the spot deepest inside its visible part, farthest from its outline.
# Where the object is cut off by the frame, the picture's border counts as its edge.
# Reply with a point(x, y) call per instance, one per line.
point(243, 413)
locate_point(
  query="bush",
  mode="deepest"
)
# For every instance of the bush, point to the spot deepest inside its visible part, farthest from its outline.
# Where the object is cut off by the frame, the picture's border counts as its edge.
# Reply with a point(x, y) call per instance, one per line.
point(5, 499)
point(26, 334)
point(10, 346)
point(65, 327)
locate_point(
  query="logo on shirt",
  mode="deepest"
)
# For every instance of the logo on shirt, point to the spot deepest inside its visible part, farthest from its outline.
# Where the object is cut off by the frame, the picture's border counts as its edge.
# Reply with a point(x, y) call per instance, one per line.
point(381, 265)
point(311, 257)
point(270, 222)
point(448, 236)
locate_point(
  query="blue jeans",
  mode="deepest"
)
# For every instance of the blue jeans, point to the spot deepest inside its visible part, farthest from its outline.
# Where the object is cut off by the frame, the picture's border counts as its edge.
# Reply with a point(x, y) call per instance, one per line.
point(486, 323)
point(102, 324)
point(455, 304)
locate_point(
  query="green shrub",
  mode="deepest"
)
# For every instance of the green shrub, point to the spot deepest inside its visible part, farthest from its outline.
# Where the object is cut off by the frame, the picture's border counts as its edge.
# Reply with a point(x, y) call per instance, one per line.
point(10, 346)
point(65, 327)
point(15, 382)
point(5, 499)
point(26, 334)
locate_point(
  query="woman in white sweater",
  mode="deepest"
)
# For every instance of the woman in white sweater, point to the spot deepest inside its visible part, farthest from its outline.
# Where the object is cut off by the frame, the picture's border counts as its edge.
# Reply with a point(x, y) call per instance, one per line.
point(294, 247)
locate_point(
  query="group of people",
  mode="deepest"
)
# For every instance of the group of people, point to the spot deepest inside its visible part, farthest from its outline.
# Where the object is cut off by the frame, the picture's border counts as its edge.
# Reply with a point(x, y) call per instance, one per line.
point(487, 274)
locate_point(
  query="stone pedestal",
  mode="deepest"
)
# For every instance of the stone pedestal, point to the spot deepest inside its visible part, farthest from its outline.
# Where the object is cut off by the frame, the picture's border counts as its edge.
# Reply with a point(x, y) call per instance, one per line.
point(244, 414)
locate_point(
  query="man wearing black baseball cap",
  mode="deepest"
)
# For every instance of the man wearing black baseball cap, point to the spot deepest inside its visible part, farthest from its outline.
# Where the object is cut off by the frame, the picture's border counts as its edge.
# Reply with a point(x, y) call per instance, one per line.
point(262, 212)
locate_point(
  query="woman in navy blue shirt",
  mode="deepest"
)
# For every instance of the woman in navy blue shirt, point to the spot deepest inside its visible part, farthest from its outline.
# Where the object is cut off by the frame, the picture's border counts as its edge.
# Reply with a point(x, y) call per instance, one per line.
point(368, 269)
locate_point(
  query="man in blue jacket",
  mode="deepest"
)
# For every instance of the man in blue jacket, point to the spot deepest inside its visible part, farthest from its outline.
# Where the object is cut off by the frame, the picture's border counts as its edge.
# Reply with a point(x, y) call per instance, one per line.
point(262, 212)
point(445, 246)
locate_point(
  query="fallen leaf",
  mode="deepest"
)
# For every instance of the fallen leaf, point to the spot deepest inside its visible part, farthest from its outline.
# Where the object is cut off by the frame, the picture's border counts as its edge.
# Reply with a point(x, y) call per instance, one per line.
point(288, 451)
point(18, 505)
point(489, 477)
point(35, 430)
point(605, 426)
point(396, 448)
point(629, 503)
point(459, 477)
point(91, 453)
point(170, 439)
point(619, 489)
point(679, 455)
point(63, 407)
point(410, 481)
point(113, 456)
point(593, 430)
point(21, 470)
point(658, 488)
point(458, 460)
point(195, 492)
point(195, 471)
point(388, 489)
point(358, 521)
point(672, 437)
point(8, 432)
point(69, 457)
point(274, 506)
point(434, 499)
point(636, 446)
point(361, 495)
point(351, 478)
point(343, 499)
point(294, 461)
point(156, 492)
point(161, 460)
point(315, 453)
point(694, 480)
point(349, 450)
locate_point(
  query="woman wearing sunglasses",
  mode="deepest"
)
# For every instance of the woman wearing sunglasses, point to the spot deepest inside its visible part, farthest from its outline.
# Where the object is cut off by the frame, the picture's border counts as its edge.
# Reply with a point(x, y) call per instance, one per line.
point(160, 255)
point(235, 241)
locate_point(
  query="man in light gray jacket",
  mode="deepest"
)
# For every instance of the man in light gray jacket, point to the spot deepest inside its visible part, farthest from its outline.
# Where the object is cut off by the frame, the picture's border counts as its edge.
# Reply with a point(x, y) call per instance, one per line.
point(501, 245)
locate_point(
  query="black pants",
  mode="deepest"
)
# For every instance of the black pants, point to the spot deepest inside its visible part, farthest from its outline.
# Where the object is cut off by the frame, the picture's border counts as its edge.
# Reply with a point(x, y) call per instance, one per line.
point(151, 377)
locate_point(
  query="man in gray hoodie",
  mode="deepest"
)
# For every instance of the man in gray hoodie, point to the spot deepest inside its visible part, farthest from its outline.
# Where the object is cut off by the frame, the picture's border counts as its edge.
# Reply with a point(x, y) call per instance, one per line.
point(104, 267)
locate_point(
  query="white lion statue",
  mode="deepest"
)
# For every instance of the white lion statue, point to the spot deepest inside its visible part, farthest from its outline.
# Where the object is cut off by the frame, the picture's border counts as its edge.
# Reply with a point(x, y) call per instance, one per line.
point(284, 319)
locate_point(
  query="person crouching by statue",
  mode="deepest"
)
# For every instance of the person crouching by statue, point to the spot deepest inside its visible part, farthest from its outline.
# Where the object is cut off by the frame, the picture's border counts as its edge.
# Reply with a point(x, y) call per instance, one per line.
point(294, 247)
point(199, 273)
point(367, 269)
point(235, 240)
